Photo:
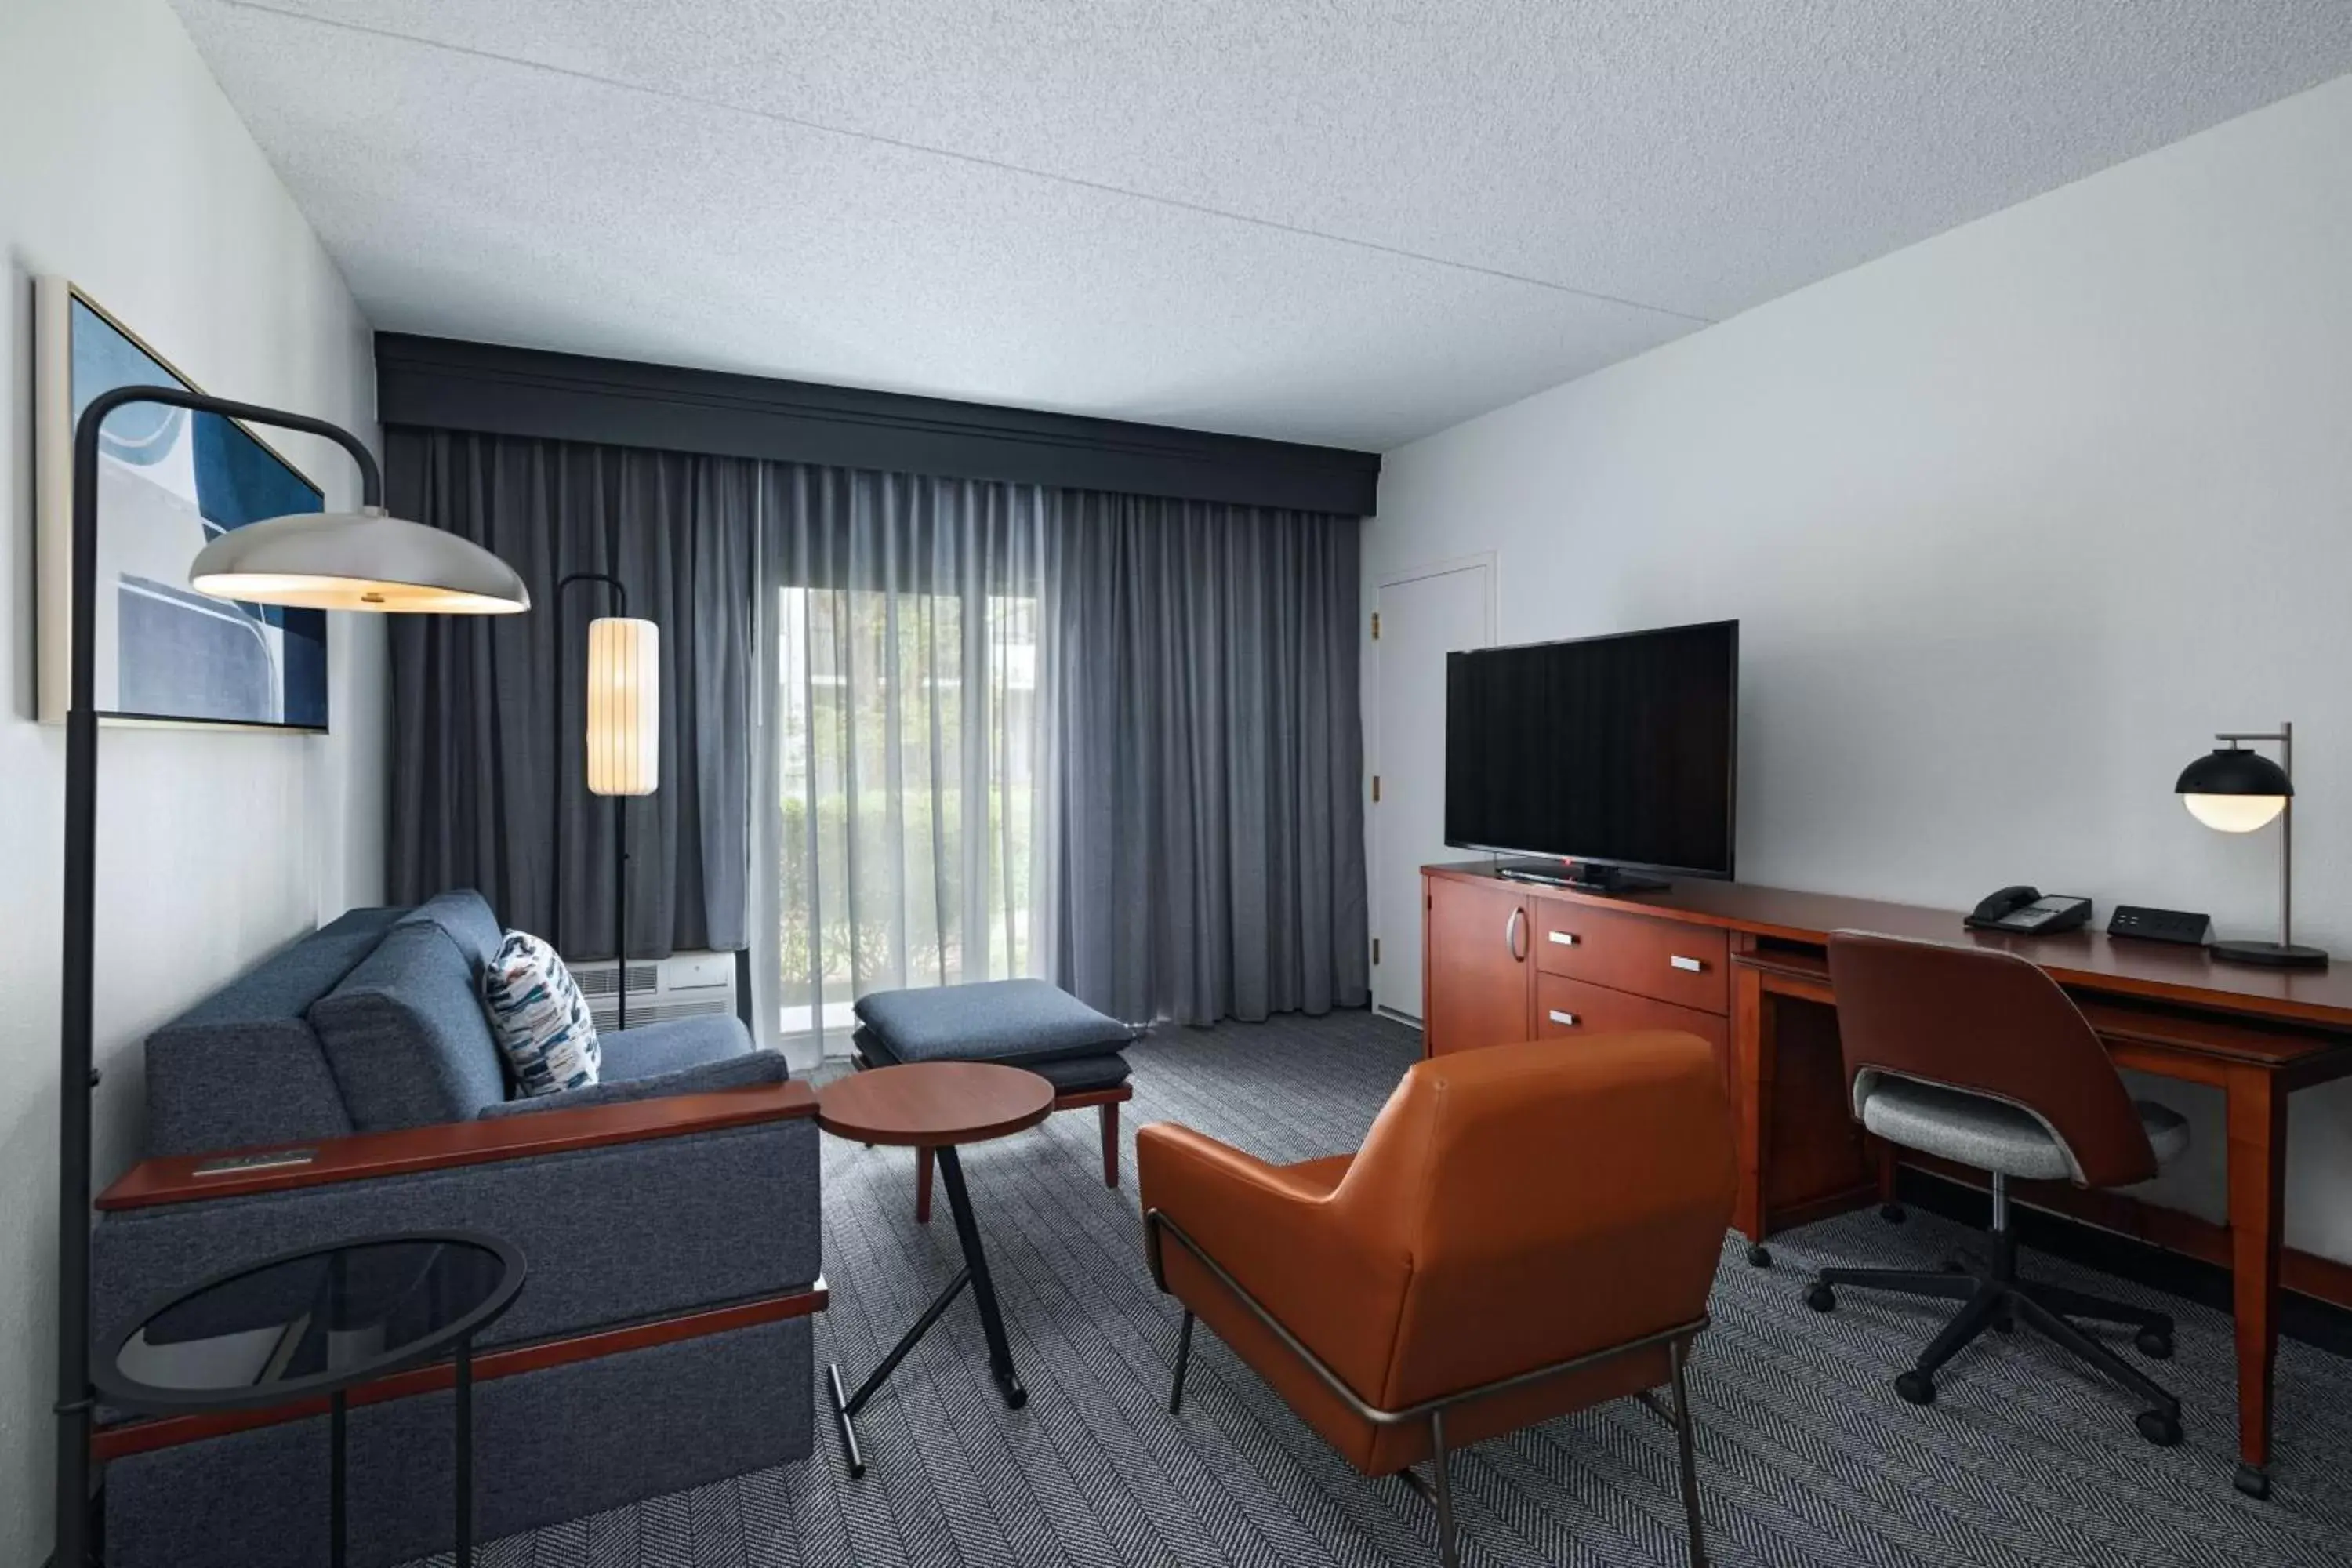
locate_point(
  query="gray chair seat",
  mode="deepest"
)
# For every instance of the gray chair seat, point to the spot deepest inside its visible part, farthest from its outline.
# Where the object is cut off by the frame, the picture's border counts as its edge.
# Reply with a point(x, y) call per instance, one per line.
point(1989, 1134)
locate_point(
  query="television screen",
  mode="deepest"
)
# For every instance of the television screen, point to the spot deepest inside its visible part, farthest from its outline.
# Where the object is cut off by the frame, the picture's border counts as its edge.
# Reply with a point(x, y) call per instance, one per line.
point(1616, 750)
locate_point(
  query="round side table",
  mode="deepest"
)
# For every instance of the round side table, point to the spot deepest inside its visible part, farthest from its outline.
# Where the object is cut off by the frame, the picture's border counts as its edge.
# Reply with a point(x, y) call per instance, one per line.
point(938, 1106)
point(318, 1322)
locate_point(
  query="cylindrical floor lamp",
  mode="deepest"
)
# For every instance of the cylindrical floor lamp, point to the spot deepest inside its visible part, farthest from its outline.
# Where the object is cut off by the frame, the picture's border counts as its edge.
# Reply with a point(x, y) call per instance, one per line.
point(622, 743)
point(348, 561)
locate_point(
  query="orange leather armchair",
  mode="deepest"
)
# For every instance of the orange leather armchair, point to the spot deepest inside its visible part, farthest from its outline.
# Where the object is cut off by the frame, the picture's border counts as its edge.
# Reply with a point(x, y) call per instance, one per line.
point(1528, 1230)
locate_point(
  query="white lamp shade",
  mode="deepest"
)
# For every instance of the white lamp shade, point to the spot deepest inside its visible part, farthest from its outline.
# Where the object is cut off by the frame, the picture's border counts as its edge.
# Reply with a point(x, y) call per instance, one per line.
point(357, 560)
point(2235, 813)
point(623, 706)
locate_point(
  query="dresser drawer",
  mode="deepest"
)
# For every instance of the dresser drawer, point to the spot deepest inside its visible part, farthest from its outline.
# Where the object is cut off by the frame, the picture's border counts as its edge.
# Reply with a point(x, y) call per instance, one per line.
point(1568, 1009)
point(1686, 965)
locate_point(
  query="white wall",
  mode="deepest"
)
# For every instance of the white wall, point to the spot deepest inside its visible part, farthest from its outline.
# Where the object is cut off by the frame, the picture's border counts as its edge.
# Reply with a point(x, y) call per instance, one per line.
point(2012, 520)
point(122, 167)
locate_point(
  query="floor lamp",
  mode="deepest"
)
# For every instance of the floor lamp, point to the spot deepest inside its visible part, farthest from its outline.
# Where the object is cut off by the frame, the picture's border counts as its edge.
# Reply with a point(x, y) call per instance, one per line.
point(622, 740)
point(346, 561)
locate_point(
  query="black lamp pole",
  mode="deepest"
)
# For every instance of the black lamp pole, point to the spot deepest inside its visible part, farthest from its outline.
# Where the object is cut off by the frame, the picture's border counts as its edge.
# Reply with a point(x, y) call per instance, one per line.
point(76, 1077)
point(620, 807)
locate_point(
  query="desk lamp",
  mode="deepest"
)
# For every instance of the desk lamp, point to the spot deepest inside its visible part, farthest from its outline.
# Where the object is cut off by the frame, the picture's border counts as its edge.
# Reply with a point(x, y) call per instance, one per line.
point(2235, 790)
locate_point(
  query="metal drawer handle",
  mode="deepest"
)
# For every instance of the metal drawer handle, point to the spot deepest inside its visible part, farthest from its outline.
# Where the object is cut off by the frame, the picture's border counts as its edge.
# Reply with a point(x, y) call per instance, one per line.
point(1565, 938)
point(1511, 933)
point(1692, 964)
point(1567, 1019)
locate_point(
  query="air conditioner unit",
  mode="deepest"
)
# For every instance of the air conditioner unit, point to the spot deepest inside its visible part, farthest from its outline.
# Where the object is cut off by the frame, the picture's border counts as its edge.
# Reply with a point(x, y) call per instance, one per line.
point(682, 985)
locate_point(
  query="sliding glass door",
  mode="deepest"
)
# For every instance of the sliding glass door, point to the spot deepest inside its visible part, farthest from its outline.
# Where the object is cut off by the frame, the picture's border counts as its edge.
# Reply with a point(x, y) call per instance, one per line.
point(907, 732)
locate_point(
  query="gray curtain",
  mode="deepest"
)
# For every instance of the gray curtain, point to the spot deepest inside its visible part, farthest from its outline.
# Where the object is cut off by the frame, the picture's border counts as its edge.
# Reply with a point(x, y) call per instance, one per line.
point(1211, 842)
point(1110, 740)
point(484, 791)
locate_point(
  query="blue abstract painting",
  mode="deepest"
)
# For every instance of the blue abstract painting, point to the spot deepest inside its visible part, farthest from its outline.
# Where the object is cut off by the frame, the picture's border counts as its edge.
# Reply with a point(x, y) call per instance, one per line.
point(169, 482)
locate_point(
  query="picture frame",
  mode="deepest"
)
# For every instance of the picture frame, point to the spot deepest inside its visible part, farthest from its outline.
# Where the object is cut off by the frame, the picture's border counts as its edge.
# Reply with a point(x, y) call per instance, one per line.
point(170, 479)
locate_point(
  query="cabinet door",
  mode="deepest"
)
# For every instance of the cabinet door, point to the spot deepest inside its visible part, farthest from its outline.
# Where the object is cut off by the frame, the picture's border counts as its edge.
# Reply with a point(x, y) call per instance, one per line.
point(1475, 950)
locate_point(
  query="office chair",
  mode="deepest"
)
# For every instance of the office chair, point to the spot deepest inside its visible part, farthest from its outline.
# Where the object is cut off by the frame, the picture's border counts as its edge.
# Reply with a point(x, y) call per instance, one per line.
point(1528, 1230)
point(1977, 1055)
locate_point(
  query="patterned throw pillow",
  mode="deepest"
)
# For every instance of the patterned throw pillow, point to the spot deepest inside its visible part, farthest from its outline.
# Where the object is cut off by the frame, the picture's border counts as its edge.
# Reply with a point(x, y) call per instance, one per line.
point(539, 1018)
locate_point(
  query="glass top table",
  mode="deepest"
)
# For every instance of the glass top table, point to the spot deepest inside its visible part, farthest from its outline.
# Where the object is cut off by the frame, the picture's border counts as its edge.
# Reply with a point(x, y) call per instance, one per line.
point(314, 1324)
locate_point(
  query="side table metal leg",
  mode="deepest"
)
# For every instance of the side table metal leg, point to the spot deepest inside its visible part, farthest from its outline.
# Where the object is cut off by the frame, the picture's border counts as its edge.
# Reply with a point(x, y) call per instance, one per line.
point(846, 1407)
point(338, 1531)
point(983, 1290)
point(465, 1419)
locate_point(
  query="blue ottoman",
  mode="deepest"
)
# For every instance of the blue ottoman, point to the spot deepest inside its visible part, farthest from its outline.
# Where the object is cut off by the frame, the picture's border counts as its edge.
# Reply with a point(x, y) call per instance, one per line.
point(1020, 1022)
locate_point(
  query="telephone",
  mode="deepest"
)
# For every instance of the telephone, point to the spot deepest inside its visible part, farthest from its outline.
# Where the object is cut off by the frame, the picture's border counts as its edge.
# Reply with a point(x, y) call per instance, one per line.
point(2024, 911)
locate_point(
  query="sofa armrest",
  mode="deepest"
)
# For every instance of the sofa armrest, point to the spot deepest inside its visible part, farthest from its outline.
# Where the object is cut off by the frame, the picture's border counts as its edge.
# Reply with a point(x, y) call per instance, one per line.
point(367, 1156)
point(740, 1071)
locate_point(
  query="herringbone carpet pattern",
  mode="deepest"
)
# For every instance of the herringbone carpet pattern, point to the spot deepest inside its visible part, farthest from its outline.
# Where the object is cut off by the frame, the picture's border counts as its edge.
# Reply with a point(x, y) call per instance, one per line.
point(1807, 1456)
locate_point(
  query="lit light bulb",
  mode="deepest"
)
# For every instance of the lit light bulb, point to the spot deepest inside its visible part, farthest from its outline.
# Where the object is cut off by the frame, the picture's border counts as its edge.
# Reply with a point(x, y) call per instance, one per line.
point(623, 743)
point(2235, 813)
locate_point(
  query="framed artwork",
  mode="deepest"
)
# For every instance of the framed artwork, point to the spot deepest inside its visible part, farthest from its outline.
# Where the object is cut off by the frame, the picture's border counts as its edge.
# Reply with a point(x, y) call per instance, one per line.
point(169, 481)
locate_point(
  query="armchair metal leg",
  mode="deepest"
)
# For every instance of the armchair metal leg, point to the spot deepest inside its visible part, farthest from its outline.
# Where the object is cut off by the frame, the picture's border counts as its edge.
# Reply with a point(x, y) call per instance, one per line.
point(1685, 1440)
point(1446, 1554)
point(1183, 1361)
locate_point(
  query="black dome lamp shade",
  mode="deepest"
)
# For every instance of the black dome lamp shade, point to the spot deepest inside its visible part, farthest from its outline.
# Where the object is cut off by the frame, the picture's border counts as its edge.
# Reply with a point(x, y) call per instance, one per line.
point(2233, 789)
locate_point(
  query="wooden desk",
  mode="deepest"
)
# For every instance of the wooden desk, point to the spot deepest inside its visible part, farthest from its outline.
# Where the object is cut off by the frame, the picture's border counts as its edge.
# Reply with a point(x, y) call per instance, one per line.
point(1746, 967)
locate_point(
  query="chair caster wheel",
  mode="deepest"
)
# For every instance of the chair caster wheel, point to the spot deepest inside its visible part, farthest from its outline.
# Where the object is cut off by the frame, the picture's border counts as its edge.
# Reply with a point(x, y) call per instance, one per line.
point(1758, 1255)
point(1917, 1387)
point(1016, 1397)
point(2254, 1482)
point(1894, 1213)
point(2160, 1427)
point(2004, 1324)
point(1822, 1299)
point(2154, 1344)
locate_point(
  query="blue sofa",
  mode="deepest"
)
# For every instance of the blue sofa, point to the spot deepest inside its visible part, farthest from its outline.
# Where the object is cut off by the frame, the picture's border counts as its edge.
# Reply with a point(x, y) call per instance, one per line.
point(366, 1042)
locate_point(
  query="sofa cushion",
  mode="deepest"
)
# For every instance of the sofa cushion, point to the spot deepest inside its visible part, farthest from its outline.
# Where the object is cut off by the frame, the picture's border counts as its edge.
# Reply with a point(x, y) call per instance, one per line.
point(405, 1034)
point(1017, 1021)
point(1068, 1074)
point(674, 1043)
point(465, 915)
point(243, 1068)
point(538, 1018)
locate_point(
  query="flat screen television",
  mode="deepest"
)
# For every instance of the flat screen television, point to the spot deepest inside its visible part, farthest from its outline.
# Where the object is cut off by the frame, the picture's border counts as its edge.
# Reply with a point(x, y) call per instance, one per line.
point(1608, 752)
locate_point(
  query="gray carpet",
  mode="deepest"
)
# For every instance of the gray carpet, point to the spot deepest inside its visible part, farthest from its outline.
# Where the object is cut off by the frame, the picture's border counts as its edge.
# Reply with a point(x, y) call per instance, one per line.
point(1807, 1458)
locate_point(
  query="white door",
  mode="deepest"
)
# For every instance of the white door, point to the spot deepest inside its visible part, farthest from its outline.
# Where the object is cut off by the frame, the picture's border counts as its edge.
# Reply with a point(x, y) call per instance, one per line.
point(1423, 615)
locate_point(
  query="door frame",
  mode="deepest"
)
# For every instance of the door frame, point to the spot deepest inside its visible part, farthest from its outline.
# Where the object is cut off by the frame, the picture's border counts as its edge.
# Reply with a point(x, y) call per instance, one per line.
point(1488, 560)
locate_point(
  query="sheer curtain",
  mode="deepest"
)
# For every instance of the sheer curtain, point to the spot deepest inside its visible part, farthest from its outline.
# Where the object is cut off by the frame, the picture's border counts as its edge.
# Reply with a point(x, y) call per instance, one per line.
point(907, 785)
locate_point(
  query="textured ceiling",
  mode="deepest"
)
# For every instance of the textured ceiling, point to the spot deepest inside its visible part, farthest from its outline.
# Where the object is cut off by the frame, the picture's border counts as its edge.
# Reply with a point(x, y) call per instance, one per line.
point(1342, 222)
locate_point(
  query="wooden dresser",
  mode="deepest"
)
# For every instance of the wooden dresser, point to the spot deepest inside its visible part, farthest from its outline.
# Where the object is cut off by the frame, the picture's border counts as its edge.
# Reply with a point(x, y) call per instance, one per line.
point(1506, 960)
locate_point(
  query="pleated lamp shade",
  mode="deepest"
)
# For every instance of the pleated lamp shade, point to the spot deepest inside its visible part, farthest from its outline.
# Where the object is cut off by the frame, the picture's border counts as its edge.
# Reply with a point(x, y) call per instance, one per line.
point(623, 706)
